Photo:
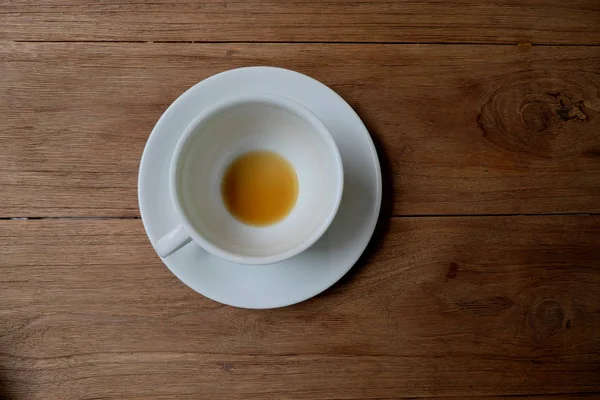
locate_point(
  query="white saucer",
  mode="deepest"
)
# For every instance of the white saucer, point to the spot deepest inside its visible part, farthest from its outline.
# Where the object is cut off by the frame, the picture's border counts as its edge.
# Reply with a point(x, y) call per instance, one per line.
point(307, 274)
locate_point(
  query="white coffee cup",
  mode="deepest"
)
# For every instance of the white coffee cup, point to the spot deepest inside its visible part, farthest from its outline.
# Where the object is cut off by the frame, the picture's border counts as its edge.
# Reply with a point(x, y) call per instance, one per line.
point(221, 134)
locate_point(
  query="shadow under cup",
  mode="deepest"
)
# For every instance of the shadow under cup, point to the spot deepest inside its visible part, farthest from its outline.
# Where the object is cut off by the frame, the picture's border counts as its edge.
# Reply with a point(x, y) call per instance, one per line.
point(229, 130)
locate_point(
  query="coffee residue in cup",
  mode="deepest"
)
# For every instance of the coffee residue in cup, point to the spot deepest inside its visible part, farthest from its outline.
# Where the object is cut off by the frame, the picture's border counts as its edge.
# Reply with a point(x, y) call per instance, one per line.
point(260, 188)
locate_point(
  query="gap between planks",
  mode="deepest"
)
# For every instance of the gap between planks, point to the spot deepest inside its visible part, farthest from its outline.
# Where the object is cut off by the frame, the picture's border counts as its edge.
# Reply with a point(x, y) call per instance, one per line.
point(308, 42)
point(382, 217)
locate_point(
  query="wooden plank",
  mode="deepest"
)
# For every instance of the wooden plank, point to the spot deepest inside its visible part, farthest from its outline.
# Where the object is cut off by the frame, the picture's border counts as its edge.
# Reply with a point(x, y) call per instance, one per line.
point(460, 129)
point(456, 21)
point(456, 306)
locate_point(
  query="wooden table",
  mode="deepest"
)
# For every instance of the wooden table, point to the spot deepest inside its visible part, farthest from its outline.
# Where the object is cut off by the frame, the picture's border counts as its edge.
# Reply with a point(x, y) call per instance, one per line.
point(482, 282)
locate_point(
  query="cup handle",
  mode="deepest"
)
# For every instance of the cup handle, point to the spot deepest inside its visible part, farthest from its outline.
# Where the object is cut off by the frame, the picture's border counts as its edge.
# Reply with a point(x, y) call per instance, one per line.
point(172, 241)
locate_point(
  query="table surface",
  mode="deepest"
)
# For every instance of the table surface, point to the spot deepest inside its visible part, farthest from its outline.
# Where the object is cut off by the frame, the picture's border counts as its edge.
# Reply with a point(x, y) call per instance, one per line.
point(483, 278)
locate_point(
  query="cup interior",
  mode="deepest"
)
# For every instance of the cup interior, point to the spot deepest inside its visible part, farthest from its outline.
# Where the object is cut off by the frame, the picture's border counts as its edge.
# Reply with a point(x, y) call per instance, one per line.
point(217, 138)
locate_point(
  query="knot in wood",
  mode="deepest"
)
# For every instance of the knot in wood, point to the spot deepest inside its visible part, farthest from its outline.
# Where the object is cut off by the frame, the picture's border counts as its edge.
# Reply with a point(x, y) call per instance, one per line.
point(536, 115)
point(533, 113)
point(547, 317)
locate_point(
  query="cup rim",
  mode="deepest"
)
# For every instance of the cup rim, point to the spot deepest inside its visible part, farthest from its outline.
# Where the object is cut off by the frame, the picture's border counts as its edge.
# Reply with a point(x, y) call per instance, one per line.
point(291, 106)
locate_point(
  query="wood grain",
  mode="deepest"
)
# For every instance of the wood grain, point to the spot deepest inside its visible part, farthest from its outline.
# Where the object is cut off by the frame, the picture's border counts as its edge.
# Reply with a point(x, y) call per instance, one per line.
point(460, 129)
point(445, 307)
point(455, 21)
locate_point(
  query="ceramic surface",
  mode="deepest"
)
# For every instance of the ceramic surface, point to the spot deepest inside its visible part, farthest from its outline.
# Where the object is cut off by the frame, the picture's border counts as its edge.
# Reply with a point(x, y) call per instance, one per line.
point(300, 277)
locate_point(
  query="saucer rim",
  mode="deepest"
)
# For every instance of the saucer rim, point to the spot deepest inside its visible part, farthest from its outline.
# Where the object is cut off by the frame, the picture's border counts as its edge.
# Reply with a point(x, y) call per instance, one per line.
point(374, 159)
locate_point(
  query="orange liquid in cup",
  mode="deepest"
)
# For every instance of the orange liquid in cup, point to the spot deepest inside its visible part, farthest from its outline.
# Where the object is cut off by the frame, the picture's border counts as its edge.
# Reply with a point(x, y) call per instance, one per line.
point(260, 188)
